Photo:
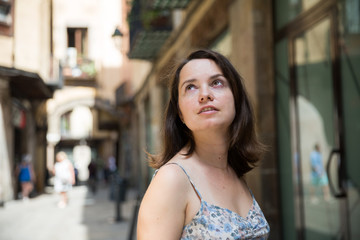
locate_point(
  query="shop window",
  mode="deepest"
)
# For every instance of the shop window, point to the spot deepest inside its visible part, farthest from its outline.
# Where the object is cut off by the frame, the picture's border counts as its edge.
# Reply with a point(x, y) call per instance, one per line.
point(77, 64)
point(77, 38)
point(352, 16)
point(65, 124)
point(6, 17)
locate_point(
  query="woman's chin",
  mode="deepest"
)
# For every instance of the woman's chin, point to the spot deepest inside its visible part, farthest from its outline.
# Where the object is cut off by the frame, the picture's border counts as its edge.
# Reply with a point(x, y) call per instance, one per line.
point(209, 126)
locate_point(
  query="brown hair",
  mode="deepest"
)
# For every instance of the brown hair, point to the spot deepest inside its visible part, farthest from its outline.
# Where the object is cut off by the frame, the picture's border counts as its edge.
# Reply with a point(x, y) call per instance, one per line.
point(244, 148)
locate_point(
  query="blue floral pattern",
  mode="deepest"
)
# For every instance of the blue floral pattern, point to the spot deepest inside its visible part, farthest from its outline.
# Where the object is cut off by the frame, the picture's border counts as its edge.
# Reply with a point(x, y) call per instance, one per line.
point(213, 222)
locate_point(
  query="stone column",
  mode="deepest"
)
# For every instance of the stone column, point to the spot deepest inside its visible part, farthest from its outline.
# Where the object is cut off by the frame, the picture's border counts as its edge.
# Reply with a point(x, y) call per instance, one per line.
point(251, 28)
point(6, 140)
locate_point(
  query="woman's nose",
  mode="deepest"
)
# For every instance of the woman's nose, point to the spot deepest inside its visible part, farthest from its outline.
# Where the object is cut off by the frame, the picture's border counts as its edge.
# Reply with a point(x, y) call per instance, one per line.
point(205, 95)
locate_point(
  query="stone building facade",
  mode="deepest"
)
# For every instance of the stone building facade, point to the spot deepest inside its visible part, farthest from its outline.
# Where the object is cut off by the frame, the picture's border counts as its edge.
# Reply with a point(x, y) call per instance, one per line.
point(26, 82)
point(242, 31)
point(297, 58)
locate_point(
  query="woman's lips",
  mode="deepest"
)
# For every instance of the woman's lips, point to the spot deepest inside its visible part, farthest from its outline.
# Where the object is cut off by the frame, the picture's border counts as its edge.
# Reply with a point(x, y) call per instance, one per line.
point(207, 109)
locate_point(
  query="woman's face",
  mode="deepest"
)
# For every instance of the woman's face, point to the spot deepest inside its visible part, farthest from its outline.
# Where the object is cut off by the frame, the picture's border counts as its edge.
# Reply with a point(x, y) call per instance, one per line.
point(205, 98)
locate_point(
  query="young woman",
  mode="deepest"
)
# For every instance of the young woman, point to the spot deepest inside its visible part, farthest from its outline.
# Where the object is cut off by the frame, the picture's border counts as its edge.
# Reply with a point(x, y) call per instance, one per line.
point(64, 177)
point(199, 191)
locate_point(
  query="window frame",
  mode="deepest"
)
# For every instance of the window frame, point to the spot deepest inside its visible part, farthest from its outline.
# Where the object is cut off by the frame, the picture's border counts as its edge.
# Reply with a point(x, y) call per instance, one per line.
point(79, 40)
point(7, 29)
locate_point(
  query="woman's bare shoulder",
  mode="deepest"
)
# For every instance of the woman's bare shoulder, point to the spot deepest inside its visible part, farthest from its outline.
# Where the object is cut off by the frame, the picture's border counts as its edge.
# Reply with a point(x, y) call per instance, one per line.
point(165, 198)
point(172, 175)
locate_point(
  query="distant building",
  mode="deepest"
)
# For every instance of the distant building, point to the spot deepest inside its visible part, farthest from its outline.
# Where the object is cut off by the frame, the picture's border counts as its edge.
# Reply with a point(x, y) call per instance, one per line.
point(64, 52)
point(27, 80)
point(83, 119)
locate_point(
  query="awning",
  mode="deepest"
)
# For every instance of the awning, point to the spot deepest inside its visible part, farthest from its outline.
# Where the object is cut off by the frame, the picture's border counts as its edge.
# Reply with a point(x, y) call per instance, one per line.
point(147, 44)
point(26, 85)
point(166, 4)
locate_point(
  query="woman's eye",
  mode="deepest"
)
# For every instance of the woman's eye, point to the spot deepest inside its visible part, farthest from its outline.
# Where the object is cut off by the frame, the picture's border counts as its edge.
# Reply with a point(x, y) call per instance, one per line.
point(217, 83)
point(189, 87)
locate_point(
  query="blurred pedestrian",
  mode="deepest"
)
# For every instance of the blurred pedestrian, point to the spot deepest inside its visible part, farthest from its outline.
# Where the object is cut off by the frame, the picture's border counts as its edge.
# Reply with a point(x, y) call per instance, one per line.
point(319, 177)
point(110, 169)
point(26, 176)
point(64, 178)
point(199, 190)
point(112, 176)
point(92, 181)
point(112, 164)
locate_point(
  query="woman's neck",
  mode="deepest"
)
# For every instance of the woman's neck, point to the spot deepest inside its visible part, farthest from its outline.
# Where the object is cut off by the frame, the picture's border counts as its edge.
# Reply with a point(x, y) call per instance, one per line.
point(212, 150)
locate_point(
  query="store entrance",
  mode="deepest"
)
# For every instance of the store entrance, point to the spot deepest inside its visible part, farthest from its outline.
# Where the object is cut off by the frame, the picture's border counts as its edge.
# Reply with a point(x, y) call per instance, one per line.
point(316, 140)
point(317, 145)
point(318, 113)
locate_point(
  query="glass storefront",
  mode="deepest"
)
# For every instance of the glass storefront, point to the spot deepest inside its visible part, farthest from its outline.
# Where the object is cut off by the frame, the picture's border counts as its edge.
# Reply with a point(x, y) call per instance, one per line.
point(318, 114)
point(349, 42)
point(288, 10)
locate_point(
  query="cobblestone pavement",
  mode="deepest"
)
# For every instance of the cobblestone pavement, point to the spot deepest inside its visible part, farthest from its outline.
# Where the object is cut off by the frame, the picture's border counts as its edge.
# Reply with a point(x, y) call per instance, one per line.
point(87, 217)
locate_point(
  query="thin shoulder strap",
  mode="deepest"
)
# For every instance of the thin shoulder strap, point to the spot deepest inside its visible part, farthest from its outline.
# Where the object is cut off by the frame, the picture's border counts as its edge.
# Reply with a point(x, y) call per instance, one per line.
point(251, 193)
point(191, 182)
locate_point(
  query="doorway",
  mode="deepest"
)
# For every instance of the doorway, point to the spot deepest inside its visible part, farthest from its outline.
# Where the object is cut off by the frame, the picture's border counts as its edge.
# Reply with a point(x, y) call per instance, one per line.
point(318, 201)
point(316, 136)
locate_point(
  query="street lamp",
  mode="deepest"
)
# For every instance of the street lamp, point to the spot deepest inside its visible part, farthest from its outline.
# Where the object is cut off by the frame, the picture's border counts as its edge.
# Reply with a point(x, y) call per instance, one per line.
point(117, 33)
point(117, 37)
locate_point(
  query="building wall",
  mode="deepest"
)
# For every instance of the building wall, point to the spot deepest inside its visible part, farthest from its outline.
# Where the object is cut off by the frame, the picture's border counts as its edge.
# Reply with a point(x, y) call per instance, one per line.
point(32, 28)
point(24, 51)
point(251, 26)
point(100, 18)
point(6, 183)
point(6, 51)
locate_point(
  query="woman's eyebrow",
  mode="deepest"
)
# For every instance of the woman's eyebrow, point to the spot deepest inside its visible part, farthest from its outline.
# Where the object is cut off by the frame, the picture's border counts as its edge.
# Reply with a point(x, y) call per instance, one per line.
point(188, 81)
point(216, 75)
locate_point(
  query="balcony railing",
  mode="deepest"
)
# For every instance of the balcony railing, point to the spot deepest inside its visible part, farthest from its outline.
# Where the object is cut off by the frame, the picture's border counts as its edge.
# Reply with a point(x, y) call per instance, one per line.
point(79, 71)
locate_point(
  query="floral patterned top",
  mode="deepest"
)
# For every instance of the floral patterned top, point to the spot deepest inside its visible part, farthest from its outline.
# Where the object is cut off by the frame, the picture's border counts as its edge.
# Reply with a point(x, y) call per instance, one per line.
point(212, 222)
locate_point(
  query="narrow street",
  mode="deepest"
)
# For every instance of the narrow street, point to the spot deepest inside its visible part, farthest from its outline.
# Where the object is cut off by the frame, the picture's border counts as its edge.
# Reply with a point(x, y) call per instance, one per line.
point(87, 217)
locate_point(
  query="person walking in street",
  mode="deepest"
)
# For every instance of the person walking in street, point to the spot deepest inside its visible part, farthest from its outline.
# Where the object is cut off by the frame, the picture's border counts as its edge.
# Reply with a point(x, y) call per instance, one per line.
point(319, 177)
point(198, 190)
point(92, 181)
point(64, 178)
point(26, 176)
